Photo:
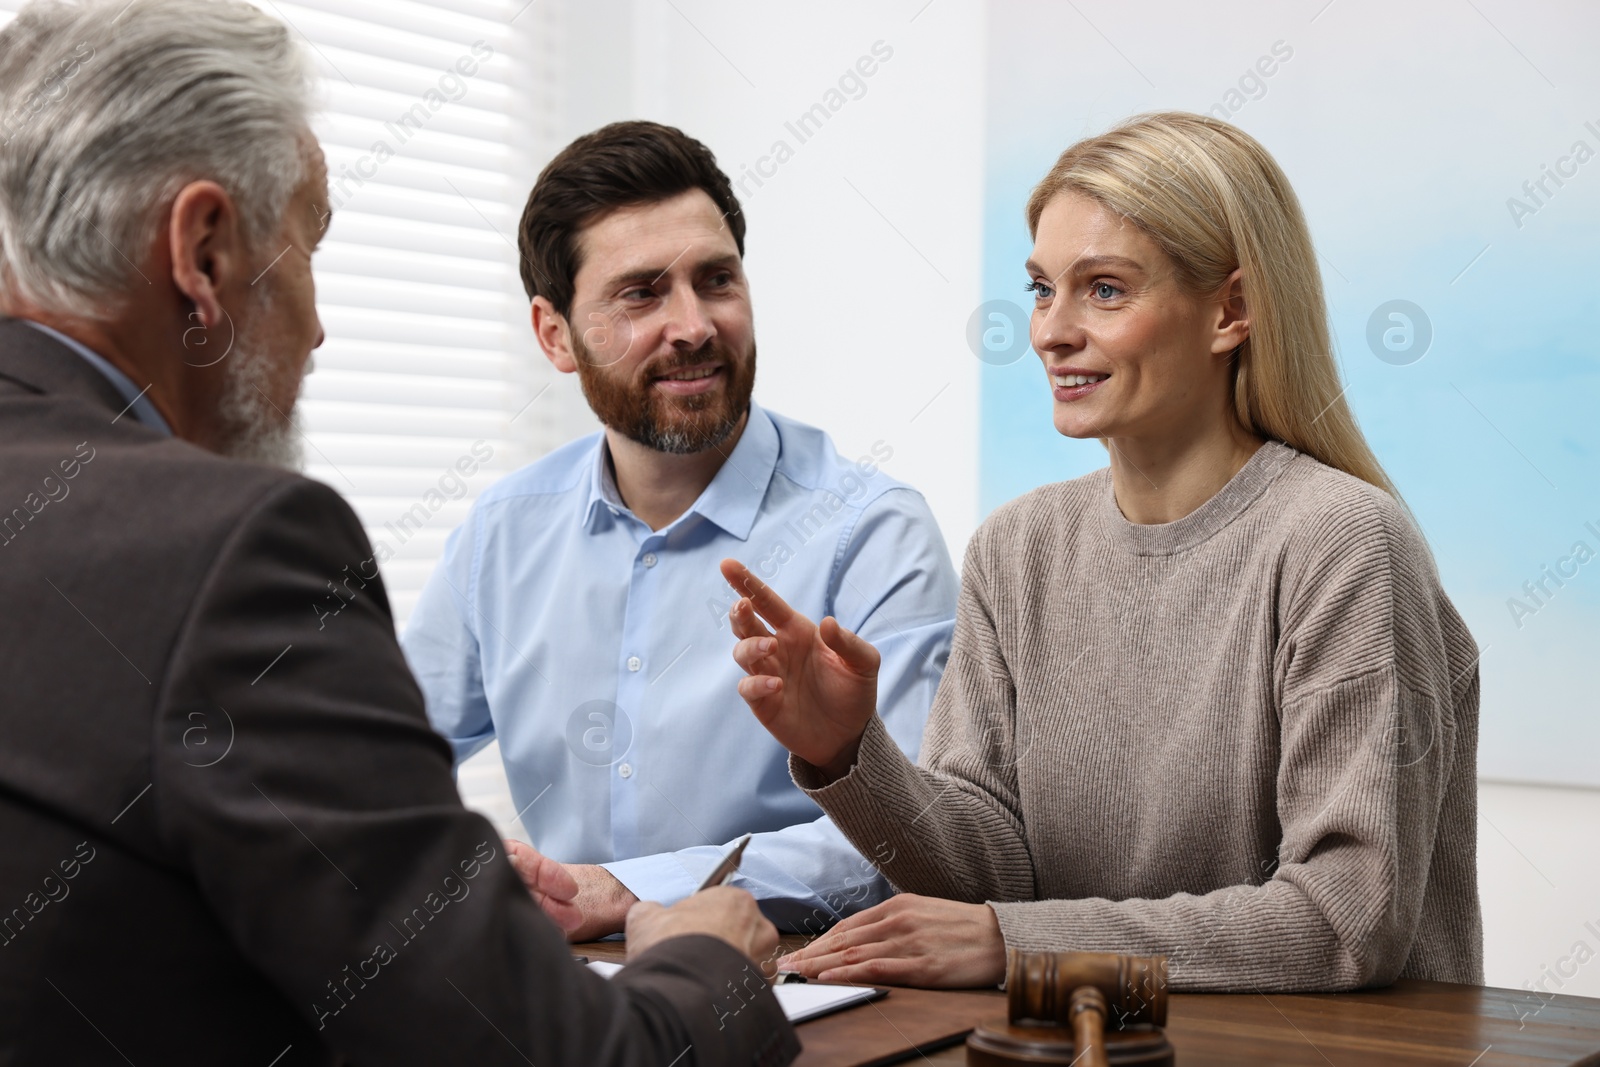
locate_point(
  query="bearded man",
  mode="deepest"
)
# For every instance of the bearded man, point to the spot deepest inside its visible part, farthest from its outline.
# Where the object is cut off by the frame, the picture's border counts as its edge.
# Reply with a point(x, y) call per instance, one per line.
point(579, 615)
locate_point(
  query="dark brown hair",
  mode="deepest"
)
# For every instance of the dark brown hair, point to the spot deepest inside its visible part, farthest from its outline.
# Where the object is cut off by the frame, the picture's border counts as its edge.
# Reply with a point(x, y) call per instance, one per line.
point(619, 165)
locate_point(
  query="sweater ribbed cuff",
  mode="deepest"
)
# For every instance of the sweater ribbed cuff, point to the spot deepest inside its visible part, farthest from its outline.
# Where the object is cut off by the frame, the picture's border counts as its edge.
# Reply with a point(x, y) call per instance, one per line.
point(1020, 928)
point(877, 759)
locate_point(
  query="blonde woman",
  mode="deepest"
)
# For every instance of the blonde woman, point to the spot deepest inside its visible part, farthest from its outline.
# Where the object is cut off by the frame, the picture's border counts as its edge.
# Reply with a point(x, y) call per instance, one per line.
point(1210, 701)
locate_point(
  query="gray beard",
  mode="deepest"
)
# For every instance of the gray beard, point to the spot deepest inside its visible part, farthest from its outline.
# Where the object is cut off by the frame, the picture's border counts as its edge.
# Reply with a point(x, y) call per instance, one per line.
point(254, 428)
point(260, 434)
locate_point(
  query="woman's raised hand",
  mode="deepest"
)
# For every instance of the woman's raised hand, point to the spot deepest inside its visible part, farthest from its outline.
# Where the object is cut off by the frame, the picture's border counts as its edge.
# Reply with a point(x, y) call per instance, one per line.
point(813, 687)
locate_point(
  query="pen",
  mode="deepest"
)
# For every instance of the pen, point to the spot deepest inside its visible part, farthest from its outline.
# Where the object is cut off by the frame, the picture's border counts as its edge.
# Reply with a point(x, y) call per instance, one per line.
point(726, 869)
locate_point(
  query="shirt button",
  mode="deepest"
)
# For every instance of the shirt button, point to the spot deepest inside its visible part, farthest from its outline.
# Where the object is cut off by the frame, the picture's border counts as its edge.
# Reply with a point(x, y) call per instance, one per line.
point(634, 663)
point(626, 770)
point(649, 559)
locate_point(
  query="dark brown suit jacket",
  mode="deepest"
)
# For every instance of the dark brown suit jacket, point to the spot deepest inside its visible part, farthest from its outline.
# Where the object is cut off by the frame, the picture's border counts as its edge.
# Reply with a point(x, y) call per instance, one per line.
point(227, 834)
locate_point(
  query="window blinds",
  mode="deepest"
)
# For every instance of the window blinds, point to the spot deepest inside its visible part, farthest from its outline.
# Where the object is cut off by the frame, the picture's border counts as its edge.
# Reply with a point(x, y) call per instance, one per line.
point(410, 410)
point(420, 396)
point(424, 392)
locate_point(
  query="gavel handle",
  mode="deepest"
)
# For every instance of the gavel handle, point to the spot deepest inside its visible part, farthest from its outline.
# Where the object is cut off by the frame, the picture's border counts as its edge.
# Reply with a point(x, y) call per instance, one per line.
point(1087, 1009)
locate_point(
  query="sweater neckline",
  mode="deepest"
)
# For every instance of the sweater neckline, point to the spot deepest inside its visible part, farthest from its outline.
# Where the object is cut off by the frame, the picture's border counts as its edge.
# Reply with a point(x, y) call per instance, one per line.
point(1205, 521)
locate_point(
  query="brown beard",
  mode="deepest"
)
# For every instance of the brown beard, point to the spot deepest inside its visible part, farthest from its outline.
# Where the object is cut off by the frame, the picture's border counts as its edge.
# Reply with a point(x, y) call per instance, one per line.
point(679, 425)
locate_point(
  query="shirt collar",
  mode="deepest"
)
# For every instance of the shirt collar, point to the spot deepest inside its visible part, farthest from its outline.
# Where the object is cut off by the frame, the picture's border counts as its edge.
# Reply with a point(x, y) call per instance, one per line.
point(732, 500)
point(138, 402)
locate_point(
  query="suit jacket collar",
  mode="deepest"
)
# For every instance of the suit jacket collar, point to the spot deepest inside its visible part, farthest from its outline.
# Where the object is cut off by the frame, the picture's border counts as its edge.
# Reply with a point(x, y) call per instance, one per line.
point(40, 363)
point(44, 362)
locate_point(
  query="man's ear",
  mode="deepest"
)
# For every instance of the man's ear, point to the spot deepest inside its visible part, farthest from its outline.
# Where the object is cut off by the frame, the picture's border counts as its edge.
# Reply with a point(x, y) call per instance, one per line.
point(208, 253)
point(554, 335)
point(1233, 317)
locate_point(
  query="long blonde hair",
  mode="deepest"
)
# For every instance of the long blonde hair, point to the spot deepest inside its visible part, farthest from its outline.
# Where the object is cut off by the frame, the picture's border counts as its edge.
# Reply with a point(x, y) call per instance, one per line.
point(1214, 200)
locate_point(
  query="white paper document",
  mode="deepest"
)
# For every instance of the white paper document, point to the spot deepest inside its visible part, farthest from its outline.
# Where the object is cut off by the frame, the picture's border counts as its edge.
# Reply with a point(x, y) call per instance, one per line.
point(800, 1001)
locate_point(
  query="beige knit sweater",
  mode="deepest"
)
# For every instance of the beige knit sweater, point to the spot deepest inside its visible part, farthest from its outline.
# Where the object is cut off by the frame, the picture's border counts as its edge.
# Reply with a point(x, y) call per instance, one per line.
point(1246, 739)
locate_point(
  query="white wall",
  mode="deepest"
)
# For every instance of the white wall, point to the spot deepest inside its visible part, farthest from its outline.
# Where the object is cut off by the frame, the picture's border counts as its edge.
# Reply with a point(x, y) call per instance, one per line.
point(1539, 875)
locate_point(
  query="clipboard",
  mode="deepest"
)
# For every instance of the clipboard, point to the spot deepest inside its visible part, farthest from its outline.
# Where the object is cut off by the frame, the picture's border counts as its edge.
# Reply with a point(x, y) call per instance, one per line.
point(800, 1001)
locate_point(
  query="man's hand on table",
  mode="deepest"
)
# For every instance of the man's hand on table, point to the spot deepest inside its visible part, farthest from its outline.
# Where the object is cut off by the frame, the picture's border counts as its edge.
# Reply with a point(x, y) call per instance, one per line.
point(552, 886)
point(722, 911)
point(909, 940)
point(602, 899)
point(586, 901)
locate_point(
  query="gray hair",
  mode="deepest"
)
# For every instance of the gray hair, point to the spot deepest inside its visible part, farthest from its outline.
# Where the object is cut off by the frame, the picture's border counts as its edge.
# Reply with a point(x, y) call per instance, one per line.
point(108, 108)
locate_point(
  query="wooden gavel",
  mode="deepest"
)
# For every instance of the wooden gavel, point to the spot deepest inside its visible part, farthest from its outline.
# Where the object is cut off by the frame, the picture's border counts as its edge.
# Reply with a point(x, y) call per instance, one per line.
point(1048, 992)
point(1079, 989)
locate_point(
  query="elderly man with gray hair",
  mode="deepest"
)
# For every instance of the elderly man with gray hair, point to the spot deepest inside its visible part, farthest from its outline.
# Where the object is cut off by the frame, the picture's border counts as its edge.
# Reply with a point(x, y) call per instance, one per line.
point(227, 834)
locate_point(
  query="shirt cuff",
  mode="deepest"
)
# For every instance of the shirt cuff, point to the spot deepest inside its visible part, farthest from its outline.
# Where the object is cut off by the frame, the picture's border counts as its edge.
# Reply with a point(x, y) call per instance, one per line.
point(661, 878)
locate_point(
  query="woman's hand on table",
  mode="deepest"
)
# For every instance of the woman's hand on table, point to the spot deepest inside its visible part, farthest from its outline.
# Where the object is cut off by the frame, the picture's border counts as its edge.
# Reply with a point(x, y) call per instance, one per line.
point(909, 940)
point(813, 687)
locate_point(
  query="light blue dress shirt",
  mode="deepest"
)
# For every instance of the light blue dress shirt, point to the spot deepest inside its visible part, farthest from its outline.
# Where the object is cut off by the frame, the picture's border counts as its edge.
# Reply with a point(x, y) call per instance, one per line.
point(138, 402)
point(599, 653)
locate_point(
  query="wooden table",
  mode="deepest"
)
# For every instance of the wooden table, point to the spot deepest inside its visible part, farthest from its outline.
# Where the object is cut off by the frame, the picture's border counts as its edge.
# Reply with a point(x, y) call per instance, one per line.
point(1409, 1024)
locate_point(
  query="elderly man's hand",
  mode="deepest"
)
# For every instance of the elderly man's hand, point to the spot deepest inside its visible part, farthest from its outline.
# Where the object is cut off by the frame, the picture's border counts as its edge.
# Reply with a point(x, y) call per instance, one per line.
point(722, 911)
